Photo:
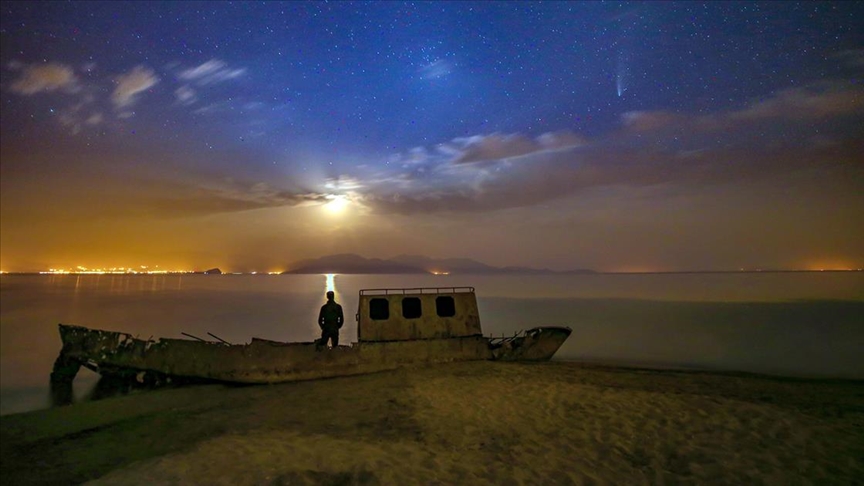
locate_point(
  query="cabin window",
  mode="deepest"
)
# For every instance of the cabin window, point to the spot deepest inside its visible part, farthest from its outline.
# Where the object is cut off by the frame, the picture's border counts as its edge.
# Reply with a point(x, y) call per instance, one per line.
point(445, 306)
point(379, 309)
point(411, 308)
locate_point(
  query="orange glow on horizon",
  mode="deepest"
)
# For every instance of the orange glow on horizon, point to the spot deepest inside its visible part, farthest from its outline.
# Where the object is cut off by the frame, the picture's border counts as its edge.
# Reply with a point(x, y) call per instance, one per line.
point(830, 265)
point(141, 270)
point(635, 269)
point(814, 265)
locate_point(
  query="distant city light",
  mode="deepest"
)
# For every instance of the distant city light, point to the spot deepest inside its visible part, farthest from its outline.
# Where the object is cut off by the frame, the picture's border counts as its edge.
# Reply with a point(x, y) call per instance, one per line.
point(82, 270)
point(330, 277)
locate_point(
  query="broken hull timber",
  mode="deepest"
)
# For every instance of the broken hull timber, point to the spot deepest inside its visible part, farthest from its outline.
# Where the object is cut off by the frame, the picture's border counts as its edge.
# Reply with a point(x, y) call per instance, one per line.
point(263, 361)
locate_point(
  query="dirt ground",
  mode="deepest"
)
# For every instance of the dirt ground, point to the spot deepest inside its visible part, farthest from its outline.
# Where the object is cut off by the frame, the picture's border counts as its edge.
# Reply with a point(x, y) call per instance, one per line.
point(464, 423)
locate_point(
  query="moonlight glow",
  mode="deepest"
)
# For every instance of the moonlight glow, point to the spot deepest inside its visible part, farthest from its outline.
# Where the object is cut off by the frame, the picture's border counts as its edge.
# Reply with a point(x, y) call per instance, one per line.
point(337, 205)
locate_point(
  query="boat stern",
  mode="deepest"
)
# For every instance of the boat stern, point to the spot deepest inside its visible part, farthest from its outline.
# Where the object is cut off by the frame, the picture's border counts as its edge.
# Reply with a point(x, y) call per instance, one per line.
point(537, 344)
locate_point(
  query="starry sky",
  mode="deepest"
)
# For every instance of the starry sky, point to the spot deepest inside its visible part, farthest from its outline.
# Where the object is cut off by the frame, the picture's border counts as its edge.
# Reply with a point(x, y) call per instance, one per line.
point(615, 136)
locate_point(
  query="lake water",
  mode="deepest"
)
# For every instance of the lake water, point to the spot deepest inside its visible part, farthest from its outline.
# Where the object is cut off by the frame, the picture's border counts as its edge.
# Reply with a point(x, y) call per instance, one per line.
point(798, 324)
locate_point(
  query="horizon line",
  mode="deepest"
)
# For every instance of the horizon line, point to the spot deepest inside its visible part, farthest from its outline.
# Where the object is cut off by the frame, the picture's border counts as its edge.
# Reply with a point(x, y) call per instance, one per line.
point(549, 272)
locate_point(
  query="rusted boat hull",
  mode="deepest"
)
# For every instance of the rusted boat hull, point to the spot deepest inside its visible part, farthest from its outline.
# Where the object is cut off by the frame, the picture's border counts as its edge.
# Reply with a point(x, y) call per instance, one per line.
point(263, 361)
point(538, 344)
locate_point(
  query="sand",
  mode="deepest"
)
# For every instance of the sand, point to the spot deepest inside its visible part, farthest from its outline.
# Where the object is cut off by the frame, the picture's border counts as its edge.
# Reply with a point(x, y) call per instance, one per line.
point(465, 423)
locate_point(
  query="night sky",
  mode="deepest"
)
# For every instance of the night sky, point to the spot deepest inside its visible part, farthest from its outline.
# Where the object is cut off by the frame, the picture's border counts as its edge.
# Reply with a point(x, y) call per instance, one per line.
point(613, 136)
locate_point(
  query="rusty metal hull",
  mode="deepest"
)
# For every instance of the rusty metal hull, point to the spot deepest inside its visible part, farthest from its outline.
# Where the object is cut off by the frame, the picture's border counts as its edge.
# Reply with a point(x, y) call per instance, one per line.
point(262, 361)
point(538, 344)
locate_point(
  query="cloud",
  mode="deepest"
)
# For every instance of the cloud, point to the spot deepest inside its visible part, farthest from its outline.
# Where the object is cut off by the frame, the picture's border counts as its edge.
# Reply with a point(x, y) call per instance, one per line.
point(203, 70)
point(262, 194)
point(167, 198)
point(495, 146)
point(491, 147)
point(46, 77)
point(851, 57)
point(206, 193)
point(129, 85)
point(70, 121)
point(646, 121)
point(70, 111)
point(792, 131)
point(343, 184)
point(216, 107)
point(74, 117)
point(805, 104)
point(540, 177)
point(517, 181)
point(436, 69)
point(560, 140)
point(415, 156)
point(185, 95)
point(489, 172)
point(211, 72)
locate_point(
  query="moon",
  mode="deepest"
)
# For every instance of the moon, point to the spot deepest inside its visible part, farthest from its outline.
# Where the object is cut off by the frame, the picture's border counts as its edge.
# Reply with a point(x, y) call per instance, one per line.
point(336, 205)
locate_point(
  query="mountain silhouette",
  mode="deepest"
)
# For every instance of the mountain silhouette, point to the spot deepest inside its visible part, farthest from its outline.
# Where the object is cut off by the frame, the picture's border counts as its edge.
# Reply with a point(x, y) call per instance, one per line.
point(349, 263)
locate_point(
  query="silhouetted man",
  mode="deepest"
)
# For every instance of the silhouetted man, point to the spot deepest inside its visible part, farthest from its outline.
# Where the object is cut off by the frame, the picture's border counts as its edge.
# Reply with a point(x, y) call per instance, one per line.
point(330, 320)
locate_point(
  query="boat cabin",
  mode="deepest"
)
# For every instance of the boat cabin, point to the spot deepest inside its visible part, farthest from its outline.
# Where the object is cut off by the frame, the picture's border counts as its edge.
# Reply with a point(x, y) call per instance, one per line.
point(420, 313)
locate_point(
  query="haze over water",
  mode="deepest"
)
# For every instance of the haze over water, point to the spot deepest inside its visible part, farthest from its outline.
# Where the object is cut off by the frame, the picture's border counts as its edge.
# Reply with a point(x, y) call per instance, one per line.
point(798, 324)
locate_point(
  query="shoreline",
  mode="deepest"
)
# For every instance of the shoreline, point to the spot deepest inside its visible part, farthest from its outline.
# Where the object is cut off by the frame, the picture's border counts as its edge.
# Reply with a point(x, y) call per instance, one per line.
point(475, 422)
point(684, 368)
point(83, 391)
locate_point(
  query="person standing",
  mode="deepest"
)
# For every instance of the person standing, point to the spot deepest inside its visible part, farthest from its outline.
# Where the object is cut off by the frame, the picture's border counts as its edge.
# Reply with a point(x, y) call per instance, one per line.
point(330, 320)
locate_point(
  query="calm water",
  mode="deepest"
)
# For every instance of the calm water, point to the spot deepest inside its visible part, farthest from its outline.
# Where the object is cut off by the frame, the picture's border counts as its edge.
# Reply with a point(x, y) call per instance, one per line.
point(808, 324)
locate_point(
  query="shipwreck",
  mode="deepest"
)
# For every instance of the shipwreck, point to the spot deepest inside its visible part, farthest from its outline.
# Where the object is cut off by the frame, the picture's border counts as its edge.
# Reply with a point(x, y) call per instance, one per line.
point(395, 328)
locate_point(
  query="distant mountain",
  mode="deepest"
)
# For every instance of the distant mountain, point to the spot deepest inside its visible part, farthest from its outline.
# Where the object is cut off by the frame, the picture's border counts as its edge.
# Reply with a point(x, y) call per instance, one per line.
point(578, 271)
point(355, 264)
point(348, 263)
point(466, 265)
point(212, 271)
point(452, 265)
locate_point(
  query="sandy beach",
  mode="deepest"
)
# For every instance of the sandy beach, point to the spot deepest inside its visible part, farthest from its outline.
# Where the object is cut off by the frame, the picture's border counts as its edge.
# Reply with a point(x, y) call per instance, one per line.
point(465, 423)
